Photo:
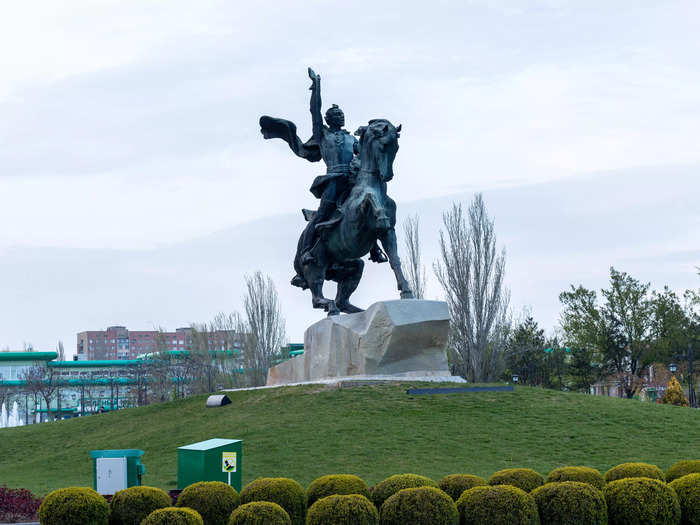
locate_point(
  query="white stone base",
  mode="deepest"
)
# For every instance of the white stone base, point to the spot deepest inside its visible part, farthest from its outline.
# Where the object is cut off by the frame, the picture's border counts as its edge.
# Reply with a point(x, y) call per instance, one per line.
point(403, 339)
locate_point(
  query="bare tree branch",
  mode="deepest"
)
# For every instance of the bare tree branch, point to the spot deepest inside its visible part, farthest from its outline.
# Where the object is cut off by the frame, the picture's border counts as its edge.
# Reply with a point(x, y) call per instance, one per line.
point(415, 270)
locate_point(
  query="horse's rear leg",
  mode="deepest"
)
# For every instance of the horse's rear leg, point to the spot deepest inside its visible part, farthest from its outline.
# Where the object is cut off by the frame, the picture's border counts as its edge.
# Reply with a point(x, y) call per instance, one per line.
point(347, 284)
point(315, 277)
point(388, 239)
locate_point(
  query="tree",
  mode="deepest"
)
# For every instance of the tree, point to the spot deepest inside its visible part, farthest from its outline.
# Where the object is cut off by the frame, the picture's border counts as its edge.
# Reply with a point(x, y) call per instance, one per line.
point(584, 368)
point(471, 272)
point(41, 381)
point(525, 352)
point(674, 394)
point(415, 271)
point(264, 326)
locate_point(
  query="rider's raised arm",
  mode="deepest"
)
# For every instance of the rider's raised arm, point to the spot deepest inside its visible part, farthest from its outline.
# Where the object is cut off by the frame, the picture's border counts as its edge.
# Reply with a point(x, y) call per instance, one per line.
point(315, 106)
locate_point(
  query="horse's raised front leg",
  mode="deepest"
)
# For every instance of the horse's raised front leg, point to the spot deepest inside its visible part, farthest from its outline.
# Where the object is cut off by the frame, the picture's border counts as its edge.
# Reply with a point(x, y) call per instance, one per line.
point(388, 239)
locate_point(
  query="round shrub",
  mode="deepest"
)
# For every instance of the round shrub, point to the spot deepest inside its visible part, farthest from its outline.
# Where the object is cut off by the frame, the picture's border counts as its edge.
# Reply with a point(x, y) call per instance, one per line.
point(260, 513)
point(213, 500)
point(523, 478)
point(335, 484)
point(130, 506)
point(74, 506)
point(391, 485)
point(339, 509)
point(570, 503)
point(287, 493)
point(688, 491)
point(454, 484)
point(582, 474)
point(173, 516)
point(641, 501)
point(634, 470)
point(682, 468)
point(419, 506)
point(497, 505)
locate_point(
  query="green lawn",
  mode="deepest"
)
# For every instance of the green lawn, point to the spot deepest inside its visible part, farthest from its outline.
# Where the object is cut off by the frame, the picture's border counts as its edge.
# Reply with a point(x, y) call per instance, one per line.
point(305, 432)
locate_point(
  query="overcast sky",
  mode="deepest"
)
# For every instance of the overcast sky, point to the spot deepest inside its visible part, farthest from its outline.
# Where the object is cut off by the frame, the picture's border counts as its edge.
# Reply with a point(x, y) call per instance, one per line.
point(133, 125)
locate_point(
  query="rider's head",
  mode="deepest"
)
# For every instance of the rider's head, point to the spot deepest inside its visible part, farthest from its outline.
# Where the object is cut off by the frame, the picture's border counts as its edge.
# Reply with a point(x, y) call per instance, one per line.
point(335, 116)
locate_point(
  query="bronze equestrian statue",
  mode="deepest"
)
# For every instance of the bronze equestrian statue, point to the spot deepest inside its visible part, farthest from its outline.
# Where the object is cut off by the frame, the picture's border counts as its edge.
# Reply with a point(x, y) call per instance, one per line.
point(355, 210)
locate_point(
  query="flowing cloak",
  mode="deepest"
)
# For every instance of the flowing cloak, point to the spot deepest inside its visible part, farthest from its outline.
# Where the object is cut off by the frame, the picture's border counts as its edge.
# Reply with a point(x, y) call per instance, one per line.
point(277, 128)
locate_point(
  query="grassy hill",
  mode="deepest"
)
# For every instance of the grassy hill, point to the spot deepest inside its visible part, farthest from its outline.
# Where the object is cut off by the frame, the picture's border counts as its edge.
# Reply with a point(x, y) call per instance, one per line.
point(375, 431)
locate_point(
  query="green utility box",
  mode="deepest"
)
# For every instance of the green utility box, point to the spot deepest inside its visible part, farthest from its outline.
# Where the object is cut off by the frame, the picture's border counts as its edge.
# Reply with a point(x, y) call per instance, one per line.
point(115, 470)
point(210, 460)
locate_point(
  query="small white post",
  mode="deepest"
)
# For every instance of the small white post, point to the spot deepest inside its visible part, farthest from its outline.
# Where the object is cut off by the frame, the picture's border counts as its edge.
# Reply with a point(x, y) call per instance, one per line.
point(229, 479)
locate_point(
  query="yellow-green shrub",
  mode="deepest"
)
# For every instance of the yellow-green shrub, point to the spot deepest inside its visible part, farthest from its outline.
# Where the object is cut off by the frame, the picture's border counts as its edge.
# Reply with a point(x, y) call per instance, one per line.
point(497, 505)
point(286, 492)
point(682, 468)
point(173, 516)
point(74, 506)
point(419, 506)
point(582, 474)
point(130, 506)
point(214, 500)
point(454, 484)
point(634, 470)
point(342, 509)
point(641, 501)
point(391, 485)
point(260, 513)
point(674, 394)
point(523, 478)
point(570, 503)
point(335, 484)
point(688, 491)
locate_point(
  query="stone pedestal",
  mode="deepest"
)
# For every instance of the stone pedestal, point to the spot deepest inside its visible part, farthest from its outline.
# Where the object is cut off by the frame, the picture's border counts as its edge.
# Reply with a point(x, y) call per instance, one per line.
point(403, 338)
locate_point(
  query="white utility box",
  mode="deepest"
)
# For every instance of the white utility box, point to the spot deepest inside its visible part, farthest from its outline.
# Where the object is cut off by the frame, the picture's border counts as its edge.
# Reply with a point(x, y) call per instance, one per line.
point(110, 475)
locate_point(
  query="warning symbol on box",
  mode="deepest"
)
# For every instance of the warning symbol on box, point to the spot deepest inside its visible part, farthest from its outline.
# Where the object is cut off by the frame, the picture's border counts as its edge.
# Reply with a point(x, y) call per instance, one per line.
point(228, 462)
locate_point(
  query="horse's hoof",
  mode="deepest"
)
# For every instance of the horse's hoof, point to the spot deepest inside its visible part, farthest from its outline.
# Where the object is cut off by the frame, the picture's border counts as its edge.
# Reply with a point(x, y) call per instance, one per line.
point(349, 308)
point(407, 295)
point(299, 281)
point(332, 309)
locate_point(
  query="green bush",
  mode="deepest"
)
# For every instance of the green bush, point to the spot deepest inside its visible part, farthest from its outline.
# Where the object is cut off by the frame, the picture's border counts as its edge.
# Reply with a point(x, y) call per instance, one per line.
point(641, 501)
point(582, 474)
point(497, 505)
point(287, 493)
point(74, 506)
point(570, 503)
point(391, 485)
point(339, 509)
point(682, 468)
point(454, 484)
point(419, 506)
point(688, 491)
point(173, 516)
point(634, 470)
point(335, 484)
point(523, 478)
point(260, 513)
point(214, 500)
point(130, 506)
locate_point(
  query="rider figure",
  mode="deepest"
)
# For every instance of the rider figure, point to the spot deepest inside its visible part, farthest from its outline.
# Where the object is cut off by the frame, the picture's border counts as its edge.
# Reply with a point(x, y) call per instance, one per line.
point(338, 148)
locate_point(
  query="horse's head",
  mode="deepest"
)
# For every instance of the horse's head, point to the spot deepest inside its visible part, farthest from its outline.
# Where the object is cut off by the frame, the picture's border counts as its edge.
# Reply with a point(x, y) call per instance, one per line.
point(379, 142)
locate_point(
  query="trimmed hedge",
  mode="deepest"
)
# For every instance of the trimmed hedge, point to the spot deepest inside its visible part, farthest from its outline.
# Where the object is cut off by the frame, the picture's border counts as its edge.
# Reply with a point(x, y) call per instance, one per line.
point(634, 470)
point(682, 468)
point(342, 484)
point(342, 509)
point(260, 513)
point(286, 492)
point(74, 506)
point(688, 491)
point(130, 506)
point(391, 485)
point(641, 501)
point(497, 505)
point(582, 474)
point(213, 500)
point(523, 478)
point(570, 503)
point(454, 484)
point(173, 516)
point(419, 506)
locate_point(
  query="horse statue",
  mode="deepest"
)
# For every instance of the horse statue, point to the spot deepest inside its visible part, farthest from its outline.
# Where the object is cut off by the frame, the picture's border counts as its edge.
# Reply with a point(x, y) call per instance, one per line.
point(365, 216)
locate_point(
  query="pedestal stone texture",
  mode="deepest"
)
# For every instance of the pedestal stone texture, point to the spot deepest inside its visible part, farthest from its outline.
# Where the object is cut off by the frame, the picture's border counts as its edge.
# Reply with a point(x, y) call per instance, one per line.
point(391, 338)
